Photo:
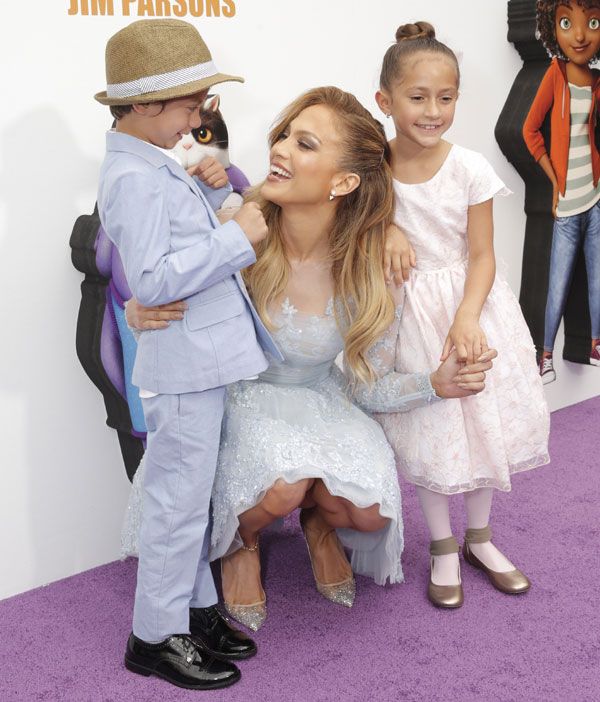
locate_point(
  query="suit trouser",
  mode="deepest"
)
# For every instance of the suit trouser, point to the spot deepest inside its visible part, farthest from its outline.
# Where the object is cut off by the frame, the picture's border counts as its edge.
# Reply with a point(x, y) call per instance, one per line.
point(181, 456)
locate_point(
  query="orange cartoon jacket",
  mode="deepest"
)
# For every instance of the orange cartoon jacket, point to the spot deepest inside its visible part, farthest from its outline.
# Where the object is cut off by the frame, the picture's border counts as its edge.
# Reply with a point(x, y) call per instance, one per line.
point(554, 94)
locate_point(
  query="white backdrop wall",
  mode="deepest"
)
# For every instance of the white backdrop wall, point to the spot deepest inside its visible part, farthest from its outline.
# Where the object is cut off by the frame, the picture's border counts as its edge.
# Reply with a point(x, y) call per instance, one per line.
point(63, 488)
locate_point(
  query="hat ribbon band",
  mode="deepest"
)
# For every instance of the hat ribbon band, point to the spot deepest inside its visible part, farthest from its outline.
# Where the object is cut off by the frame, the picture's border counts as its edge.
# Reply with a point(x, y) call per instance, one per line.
point(161, 81)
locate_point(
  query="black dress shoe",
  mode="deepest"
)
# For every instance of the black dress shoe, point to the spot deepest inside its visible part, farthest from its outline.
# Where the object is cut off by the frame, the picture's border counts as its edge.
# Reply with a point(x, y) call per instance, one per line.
point(214, 633)
point(180, 661)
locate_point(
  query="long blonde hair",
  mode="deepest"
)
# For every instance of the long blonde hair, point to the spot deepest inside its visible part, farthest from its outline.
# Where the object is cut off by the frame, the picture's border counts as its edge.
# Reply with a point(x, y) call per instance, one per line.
point(356, 239)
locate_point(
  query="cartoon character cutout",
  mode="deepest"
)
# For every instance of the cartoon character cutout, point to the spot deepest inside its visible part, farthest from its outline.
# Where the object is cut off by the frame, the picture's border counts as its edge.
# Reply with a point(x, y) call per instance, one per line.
point(570, 31)
point(105, 345)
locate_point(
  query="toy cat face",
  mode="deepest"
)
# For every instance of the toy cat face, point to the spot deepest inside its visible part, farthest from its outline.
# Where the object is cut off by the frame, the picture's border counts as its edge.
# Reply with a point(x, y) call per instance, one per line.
point(209, 139)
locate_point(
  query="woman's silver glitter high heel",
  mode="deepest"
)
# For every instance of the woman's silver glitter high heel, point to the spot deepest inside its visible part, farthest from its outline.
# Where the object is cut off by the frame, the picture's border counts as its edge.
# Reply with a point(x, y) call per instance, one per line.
point(250, 615)
point(342, 592)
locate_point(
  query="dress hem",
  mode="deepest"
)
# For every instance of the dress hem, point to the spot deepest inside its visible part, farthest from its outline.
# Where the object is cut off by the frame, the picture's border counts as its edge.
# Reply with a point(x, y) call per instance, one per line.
point(513, 469)
point(360, 559)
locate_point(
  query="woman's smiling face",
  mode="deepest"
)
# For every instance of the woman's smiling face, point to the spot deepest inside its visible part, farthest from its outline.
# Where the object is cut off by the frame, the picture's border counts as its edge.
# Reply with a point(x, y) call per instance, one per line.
point(304, 159)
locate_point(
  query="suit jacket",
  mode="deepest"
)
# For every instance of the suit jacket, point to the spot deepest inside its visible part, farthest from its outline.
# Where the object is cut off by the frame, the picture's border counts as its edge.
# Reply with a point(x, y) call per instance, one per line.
point(173, 247)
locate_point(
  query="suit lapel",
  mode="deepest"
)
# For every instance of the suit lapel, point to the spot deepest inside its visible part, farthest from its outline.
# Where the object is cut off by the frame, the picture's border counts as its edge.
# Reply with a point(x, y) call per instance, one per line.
point(179, 172)
point(118, 141)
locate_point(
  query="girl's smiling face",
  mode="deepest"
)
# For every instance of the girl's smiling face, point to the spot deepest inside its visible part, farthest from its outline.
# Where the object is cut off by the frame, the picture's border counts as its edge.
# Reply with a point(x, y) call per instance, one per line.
point(423, 99)
point(578, 32)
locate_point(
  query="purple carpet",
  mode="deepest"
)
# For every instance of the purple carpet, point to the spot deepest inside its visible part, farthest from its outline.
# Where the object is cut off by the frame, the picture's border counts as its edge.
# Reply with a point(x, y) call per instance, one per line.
point(66, 641)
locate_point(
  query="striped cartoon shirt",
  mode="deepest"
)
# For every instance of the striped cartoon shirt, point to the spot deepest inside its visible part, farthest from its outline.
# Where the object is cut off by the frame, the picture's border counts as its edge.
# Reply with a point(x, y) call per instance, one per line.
point(580, 194)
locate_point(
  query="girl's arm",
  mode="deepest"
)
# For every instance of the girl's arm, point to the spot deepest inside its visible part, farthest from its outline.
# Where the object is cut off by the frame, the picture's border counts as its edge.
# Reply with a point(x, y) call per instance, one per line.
point(465, 335)
point(399, 255)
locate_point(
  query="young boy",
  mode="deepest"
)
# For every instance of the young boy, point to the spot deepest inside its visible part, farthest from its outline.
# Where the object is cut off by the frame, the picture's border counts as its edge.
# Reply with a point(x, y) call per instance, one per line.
point(172, 247)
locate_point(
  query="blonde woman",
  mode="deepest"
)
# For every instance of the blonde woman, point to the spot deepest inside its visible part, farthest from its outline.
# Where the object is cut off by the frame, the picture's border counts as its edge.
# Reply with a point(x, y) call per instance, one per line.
point(292, 438)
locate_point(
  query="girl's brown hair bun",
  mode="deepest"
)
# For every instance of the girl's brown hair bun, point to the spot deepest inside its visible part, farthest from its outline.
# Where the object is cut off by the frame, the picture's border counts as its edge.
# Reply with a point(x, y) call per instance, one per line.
point(419, 30)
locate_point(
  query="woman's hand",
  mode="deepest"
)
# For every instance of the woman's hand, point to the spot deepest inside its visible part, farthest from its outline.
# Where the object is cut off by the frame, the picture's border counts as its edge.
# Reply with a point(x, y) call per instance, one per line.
point(211, 172)
point(399, 256)
point(555, 192)
point(145, 318)
point(467, 338)
point(454, 379)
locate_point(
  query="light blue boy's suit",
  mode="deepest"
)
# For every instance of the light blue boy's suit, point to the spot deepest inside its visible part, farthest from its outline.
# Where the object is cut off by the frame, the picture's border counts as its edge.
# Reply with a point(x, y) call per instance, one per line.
point(173, 247)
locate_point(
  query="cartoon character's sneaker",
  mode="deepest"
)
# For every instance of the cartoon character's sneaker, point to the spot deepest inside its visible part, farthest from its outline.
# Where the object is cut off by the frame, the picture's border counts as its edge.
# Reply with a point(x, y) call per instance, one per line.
point(595, 356)
point(547, 369)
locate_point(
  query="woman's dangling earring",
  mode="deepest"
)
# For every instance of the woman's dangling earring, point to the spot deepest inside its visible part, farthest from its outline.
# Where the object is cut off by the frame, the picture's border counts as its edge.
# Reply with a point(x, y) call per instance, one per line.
point(331, 194)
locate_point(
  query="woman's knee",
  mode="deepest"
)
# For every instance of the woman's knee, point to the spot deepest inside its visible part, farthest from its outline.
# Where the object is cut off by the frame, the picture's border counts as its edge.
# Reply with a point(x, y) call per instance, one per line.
point(282, 498)
point(367, 518)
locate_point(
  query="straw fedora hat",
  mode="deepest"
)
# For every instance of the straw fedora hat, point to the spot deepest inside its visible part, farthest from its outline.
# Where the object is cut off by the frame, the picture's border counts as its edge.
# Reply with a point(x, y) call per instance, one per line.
point(153, 60)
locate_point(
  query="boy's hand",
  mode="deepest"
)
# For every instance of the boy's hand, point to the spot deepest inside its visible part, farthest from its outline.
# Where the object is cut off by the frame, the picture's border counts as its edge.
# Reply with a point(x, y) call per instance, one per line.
point(145, 318)
point(251, 220)
point(467, 337)
point(399, 256)
point(226, 213)
point(211, 172)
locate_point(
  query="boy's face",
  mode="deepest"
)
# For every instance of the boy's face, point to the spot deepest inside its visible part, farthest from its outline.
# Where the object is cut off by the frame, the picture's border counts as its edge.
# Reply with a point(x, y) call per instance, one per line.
point(165, 123)
point(578, 32)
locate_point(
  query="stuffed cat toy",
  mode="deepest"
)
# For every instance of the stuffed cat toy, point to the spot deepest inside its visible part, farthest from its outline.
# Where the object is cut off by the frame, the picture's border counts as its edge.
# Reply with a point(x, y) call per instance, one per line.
point(212, 139)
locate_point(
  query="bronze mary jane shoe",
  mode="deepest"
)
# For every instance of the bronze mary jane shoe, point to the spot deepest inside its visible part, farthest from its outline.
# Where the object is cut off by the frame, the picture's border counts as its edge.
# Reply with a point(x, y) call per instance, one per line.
point(445, 596)
point(513, 582)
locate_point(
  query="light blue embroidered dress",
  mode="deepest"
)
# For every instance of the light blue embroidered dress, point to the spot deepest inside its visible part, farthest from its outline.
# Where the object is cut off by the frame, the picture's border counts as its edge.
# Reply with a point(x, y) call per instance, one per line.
point(297, 421)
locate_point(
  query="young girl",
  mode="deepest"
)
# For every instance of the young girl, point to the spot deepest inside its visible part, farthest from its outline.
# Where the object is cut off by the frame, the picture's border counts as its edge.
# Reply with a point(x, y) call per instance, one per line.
point(569, 91)
point(453, 300)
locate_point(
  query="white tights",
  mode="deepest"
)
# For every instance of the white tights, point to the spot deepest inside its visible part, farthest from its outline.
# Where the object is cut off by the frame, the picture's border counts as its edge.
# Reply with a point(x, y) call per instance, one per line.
point(436, 510)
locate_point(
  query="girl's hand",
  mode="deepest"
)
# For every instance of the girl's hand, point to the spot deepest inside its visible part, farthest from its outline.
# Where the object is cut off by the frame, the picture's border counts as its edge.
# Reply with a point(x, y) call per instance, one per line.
point(211, 172)
point(145, 318)
point(467, 337)
point(455, 380)
point(554, 199)
point(399, 256)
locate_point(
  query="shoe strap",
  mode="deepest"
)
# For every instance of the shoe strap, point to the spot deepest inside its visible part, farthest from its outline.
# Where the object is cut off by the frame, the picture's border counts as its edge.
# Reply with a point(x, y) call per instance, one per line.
point(478, 536)
point(442, 547)
point(252, 549)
